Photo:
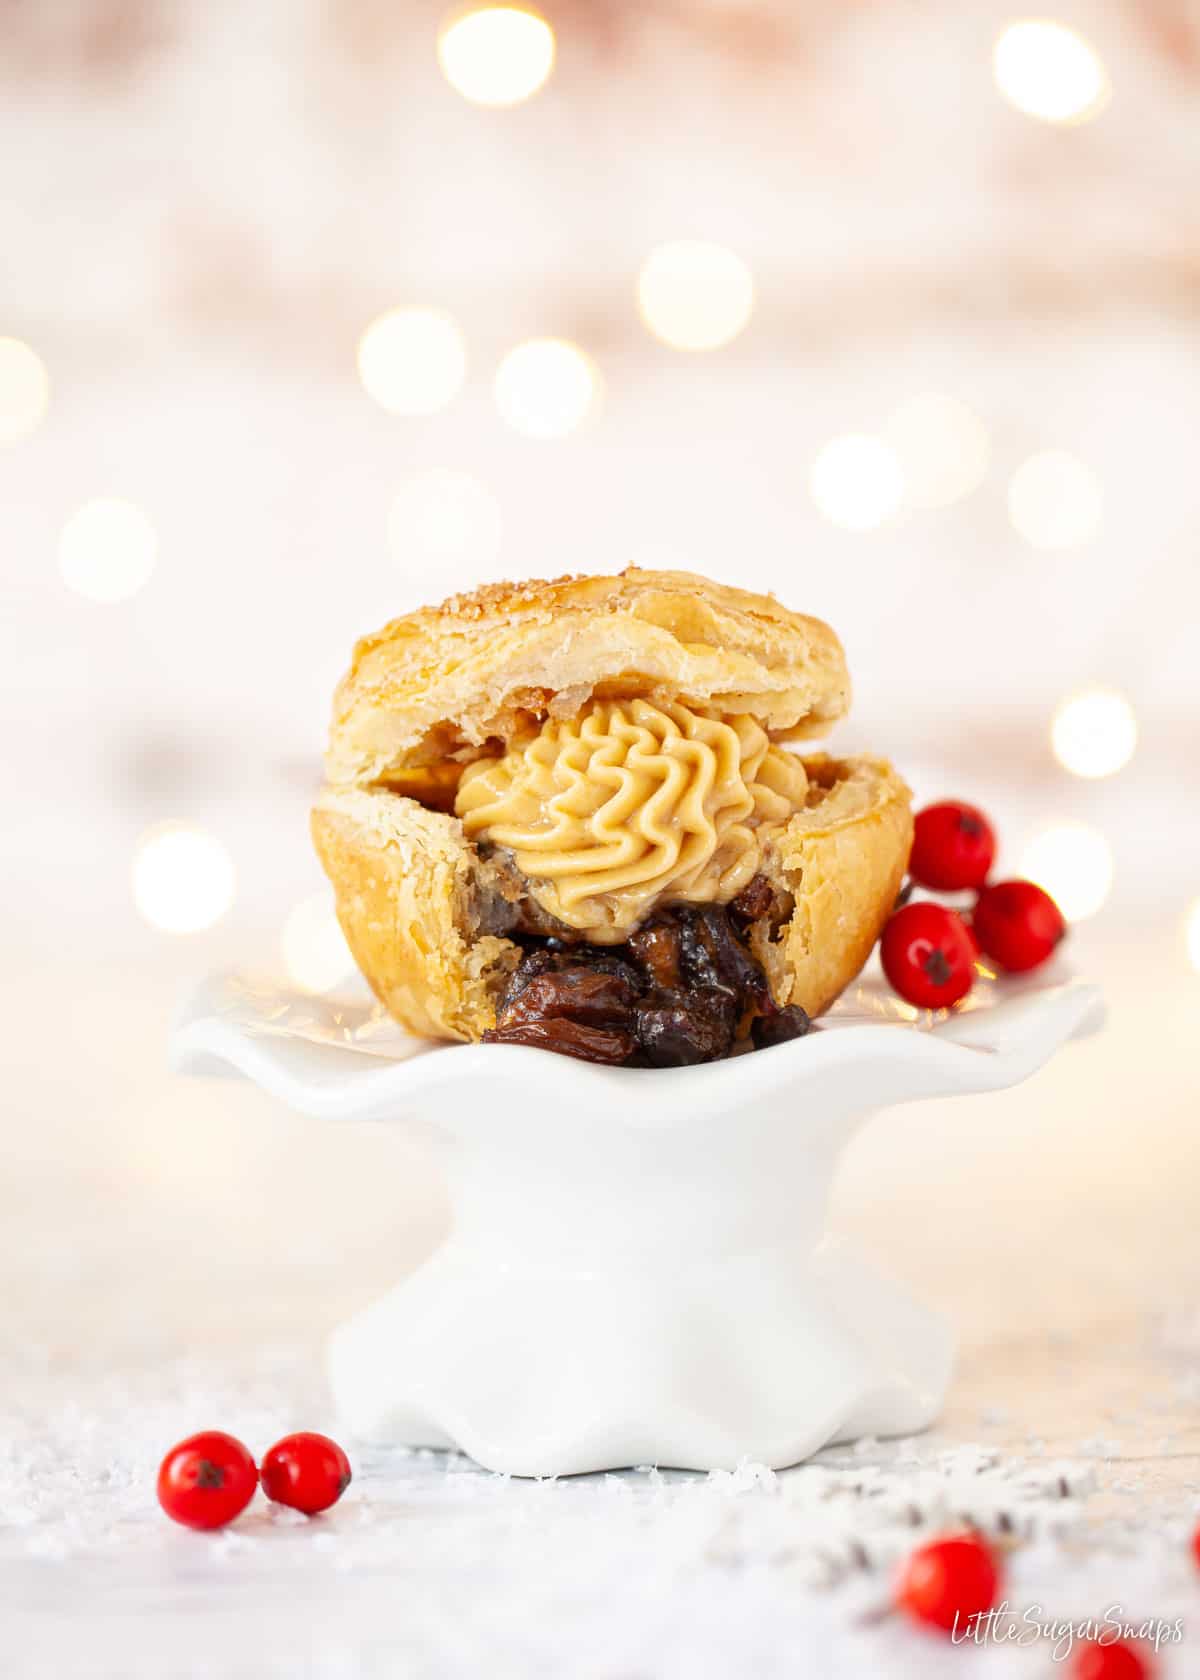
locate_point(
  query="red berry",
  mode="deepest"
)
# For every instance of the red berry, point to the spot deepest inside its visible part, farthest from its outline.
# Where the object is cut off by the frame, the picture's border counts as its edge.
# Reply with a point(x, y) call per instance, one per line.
point(309, 1472)
point(1196, 1545)
point(1099, 1659)
point(953, 846)
point(948, 1581)
point(207, 1480)
point(1018, 924)
point(928, 955)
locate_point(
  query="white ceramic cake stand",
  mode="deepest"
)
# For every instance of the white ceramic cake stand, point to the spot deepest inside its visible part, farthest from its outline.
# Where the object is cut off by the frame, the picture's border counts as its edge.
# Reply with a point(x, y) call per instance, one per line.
point(636, 1271)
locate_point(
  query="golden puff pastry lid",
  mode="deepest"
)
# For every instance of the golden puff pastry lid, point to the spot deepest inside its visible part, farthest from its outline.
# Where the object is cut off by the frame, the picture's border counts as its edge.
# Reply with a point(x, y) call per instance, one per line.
point(430, 689)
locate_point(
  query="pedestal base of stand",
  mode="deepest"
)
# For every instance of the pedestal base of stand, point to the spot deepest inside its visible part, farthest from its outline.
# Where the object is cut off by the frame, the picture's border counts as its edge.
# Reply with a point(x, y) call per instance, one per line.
point(766, 1357)
point(637, 1272)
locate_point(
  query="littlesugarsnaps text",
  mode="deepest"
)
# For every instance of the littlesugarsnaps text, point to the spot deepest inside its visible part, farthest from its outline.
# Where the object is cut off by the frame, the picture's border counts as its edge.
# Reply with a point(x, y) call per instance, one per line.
point(1004, 1625)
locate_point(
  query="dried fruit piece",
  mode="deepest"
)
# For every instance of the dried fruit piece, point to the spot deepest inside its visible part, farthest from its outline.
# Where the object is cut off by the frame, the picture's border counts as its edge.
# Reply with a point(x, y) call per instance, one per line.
point(583, 1009)
point(656, 949)
point(696, 1026)
point(555, 959)
point(609, 1045)
point(714, 956)
point(756, 900)
point(574, 993)
point(779, 1028)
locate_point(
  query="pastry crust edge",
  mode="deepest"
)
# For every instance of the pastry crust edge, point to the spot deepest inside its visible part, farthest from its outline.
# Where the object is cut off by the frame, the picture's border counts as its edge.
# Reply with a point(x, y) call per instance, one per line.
point(436, 685)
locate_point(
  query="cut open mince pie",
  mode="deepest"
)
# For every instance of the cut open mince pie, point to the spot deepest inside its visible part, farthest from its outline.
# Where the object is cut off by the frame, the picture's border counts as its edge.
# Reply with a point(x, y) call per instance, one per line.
point(567, 814)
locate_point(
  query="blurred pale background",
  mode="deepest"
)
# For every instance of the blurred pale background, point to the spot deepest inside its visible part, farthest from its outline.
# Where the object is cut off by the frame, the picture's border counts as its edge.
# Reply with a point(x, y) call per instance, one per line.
point(313, 311)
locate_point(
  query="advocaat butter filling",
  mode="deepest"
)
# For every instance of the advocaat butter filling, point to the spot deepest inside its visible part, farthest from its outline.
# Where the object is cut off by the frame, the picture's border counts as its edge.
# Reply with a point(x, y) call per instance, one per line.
point(630, 804)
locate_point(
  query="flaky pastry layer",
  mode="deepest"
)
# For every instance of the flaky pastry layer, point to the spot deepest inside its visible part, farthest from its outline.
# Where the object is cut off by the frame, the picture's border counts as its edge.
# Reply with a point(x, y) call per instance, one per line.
point(440, 687)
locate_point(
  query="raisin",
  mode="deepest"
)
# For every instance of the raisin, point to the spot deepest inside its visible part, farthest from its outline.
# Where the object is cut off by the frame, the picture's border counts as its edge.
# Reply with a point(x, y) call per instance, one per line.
point(555, 959)
point(584, 1009)
point(656, 949)
point(779, 1028)
point(696, 1026)
point(575, 994)
point(756, 900)
point(716, 957)
point(609, 1045)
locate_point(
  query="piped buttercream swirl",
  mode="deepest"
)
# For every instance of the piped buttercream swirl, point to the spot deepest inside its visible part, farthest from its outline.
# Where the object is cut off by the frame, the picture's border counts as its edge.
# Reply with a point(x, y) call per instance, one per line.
point(630, 804)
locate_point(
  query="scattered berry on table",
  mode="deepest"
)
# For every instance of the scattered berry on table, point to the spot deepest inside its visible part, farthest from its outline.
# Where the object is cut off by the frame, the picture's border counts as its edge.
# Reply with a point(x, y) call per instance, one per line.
point(948, 1581)
point(207, 1480)
point(1017, 924)
point(928, 955)
point(1100, 1659)
point(307, 1471)
point(953, 846)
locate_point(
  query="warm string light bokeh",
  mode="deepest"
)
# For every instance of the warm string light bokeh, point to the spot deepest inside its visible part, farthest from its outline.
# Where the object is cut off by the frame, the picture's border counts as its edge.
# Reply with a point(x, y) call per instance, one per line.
point(1094, 733)
point(1055, 501)
point(1191, 934)
point(942, 449)
point(183, 878)
point(413, 361)
point(545, 388)
point(693, 296)
point(315, 955)
point(496, 55)
point(1048, 71)
point(1074, 863)
point(24, 390)
point(107, 549)
point(857, 482)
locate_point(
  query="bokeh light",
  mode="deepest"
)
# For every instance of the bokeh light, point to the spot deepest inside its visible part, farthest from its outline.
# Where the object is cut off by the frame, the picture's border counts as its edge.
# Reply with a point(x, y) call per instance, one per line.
point(1094, 732)
point(497, 55)
point(1074, 864)
point(545, 388)
point(183, 878)
point(443, 518)
point(315, 953)
point(856, 482)
point(413, 361)
point(942, 447)
point(693, 295)
point(1050, 72)
point(107, 549)
point(24, 390)
point(1191, 934)
point(1054, 501)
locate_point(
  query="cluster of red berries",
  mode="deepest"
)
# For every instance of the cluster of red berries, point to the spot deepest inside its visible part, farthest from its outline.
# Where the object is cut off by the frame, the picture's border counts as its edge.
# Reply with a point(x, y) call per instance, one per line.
point(929, 951)
point(950, 1582)
point(209, 1479)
